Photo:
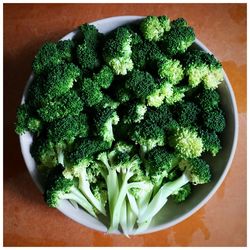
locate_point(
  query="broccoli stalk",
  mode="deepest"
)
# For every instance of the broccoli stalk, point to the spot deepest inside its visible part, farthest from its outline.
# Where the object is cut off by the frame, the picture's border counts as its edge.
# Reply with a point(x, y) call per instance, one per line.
point(195, 170)
point(59, 188)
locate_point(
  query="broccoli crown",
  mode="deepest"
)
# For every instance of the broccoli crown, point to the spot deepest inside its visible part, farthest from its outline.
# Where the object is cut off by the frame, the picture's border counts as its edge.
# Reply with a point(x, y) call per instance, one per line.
point(140, 83)
point(197, 170)
point(57, 189)
point(182, 193)
point(152, 28)
point(60, 79)
point(134, 112)
point(117, 51)
point(86, 149)
point(148, 135)
point(187, 143)
point(90, 35)
point(210, 141)
point(104, 77)
point(87, 57)
point(165, 23)
point(47, 57)
point(202, 67)
point(65, 49)
point(171, 70)
point(186, 113)
point(90, 93)
point(104, 120)
point(159, 162)
point(68, 128)
point(179, 22)
point(69, 103)
point(25, 121)
point(106, 102)
point(144, 53)
point(162, 117)
point(214, 120)
point(177, 40)
point(208, 100)
point(44, 152)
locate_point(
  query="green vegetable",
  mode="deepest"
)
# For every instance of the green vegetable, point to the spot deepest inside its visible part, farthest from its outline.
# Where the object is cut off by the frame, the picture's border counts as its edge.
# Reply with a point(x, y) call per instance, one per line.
point(121, 122)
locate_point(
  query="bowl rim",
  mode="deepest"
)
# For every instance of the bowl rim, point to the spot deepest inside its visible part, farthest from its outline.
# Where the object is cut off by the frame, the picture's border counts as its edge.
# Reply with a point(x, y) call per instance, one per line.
point(163, 226)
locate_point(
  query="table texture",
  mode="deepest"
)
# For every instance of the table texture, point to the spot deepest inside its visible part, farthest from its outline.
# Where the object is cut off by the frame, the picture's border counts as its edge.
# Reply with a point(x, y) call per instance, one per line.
point(27, 219)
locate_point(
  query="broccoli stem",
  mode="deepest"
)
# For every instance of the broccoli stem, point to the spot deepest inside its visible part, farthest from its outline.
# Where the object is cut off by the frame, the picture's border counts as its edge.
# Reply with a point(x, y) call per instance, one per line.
point(78, 197)
point(84, 186)
point(116, 211)
point(113, 190)
point(131, 218)
point(123, 218)
point(133, 203)
point(160, 199)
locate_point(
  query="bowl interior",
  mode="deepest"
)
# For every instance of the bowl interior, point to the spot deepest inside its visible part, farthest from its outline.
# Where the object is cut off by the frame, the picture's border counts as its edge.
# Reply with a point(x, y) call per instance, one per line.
point(172, 213)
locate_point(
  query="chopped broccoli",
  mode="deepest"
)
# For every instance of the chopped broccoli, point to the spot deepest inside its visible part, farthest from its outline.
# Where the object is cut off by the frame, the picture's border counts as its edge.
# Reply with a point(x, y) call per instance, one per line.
point(208, 100)
point(171, 70)
point(177, 40)
point(187, 143)
point(104, 120)
point(214, 120)
point(182, 193)
point(69, 103)
point(117, 51)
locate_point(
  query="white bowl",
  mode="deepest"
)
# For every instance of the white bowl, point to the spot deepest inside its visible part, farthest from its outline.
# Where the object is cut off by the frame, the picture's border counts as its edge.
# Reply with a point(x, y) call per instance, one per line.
point(172, 213)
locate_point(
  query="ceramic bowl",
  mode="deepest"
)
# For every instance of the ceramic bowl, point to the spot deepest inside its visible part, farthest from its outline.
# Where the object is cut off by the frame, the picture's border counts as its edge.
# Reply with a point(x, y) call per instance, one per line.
point(172, 213)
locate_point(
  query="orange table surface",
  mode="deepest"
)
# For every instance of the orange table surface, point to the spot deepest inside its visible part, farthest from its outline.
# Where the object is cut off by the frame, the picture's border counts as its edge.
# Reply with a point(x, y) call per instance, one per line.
point(27, 219)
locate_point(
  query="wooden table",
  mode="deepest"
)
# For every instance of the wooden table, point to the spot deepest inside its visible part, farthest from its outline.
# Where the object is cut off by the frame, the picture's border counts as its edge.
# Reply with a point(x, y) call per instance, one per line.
point(27, 219)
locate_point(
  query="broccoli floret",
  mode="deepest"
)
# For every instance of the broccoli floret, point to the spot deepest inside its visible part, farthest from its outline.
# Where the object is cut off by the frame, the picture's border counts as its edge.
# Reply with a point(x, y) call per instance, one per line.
point(171, 70)
point(104, 77)
point(47, 57)
point(68, 128)
point(87, 57)
point(165, 23)
point(214, 120)
point(196, 171)
point(60, 80)
point(104, 119)
point(202, 67)
point(35, 96)
point(25, 121)
point(182, 193)
point(134, 112)
point(186, 113)
point(178, 93)
point(162, 117)
point(148, 136)
point(177, 40)
point(208, 100)
point(117, 51)
point(44, 153)
point(144, 54)
point(179, 22)
point(215, 74)
point(153, 27)
point(90, 35)
point(210, 141)
point(140, 83)
point(67, 104)
point(106, 102)
point(90, 93)
point(159, 162)
point(65, 49)
point(86, 148)
point(61, 188)
point(187, 143)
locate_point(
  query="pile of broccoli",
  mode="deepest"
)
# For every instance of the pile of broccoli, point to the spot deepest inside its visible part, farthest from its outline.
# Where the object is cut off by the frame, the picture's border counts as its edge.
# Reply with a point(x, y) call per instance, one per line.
point(121, 122)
